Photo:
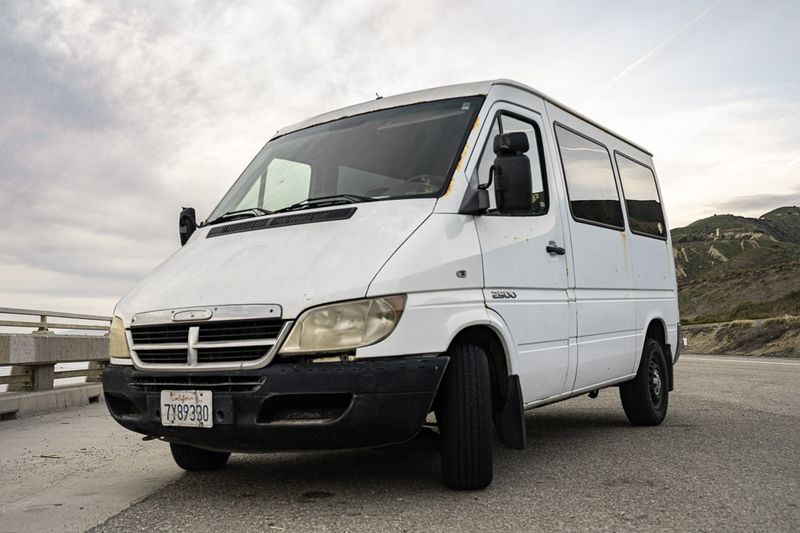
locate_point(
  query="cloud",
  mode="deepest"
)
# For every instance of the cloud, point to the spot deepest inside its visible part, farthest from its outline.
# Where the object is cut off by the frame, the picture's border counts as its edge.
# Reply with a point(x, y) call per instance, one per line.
point(121, 113)
point(116, 113)
point(650, 53)
point(737, 146)
point(758, 203)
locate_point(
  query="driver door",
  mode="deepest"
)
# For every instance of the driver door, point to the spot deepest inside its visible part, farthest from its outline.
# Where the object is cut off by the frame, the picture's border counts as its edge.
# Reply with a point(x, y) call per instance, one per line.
point(524, 283)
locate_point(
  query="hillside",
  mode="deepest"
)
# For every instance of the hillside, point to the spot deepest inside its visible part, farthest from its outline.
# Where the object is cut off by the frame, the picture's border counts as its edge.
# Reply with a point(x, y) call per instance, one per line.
point(773, 337)
point(731, 267)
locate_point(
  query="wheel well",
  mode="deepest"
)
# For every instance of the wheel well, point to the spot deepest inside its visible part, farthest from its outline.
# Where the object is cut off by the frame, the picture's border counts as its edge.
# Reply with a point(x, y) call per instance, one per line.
point(487, 338)
point(657, 331)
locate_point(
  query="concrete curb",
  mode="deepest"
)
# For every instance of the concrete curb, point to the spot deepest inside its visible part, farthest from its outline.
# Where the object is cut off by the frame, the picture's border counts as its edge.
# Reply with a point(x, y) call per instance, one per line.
point(21, 404)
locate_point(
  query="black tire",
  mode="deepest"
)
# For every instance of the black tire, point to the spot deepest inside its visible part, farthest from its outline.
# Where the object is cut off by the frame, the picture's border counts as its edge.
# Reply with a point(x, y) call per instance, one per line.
point(464, 416)
point(646, 397)
point(196, 460)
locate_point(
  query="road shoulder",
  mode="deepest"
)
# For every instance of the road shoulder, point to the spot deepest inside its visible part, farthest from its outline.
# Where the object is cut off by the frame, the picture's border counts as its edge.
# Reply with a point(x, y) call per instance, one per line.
point(73, 469)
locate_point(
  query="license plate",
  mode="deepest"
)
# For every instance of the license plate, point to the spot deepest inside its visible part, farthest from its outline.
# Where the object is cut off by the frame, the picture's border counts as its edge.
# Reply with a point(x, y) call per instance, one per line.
point(188, 408)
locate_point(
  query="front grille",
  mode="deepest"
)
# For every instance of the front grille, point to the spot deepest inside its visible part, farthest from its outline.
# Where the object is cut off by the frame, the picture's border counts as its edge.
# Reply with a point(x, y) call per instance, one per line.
point(198, 343)
point(240, 330)
point(163, 356)
point(216, 355)
point(215, 383)
point(160, 334)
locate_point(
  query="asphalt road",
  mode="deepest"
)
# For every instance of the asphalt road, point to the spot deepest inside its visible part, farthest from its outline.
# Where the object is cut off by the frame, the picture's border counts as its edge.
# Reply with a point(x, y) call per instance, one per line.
point(726, 459)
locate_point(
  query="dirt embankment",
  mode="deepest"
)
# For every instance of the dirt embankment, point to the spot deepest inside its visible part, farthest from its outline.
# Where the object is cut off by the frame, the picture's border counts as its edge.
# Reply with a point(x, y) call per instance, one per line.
point(775, 337)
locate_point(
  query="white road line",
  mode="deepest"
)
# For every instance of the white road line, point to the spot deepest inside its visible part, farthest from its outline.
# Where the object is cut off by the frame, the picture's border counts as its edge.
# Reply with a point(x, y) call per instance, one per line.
point(715, 360)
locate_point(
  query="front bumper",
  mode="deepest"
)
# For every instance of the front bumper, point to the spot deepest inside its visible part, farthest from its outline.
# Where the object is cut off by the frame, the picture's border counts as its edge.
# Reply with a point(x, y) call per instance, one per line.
point(287, 406)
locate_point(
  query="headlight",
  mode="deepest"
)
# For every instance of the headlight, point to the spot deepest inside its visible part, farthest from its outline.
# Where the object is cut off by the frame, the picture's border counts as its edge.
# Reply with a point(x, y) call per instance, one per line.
point(344, 326)
point(117, 343)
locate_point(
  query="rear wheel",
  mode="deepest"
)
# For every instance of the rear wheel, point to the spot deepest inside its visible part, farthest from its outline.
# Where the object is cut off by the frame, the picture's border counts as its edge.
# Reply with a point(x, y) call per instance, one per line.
point(645, 398)
point(197, 460)
point(464, 415)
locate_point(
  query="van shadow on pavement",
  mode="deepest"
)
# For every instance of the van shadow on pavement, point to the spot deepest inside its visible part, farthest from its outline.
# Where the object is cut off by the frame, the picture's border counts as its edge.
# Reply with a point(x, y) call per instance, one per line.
point(412, 464)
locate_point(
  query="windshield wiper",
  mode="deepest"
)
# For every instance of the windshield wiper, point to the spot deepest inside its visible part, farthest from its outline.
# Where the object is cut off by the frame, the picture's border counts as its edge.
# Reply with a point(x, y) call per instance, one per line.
point(322, 201)
point(242, 213)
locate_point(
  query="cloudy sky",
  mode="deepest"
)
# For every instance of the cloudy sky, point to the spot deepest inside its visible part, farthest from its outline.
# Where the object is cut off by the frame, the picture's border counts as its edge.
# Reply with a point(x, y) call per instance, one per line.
point(114, 114)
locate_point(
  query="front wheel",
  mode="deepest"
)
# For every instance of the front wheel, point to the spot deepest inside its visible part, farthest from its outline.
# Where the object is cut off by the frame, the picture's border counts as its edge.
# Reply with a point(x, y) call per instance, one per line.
point(197, 460)
point(645, 398)
point(464, 415)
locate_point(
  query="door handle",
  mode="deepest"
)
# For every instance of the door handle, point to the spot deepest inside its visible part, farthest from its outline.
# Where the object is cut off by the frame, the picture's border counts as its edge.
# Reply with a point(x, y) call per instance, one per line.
point(553, 249)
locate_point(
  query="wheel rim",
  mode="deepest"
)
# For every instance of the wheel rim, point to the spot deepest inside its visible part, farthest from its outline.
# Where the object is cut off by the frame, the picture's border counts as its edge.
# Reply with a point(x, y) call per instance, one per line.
point(656, 383)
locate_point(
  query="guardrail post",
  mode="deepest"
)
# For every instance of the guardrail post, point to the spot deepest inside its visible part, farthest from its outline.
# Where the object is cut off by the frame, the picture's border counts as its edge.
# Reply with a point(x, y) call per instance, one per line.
point(42, 376)
point(95, 365)
point(43, 320)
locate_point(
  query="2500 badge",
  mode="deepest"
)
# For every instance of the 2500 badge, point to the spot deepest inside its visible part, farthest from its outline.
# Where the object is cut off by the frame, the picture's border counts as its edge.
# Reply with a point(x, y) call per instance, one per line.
point(500, 295)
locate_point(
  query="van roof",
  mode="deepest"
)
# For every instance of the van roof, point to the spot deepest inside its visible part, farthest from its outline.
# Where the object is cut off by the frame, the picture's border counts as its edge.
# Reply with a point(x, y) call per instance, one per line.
point(440, 93)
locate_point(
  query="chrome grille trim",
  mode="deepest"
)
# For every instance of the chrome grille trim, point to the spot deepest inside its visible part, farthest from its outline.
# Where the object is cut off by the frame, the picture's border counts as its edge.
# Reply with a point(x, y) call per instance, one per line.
point(191, 351)
point(193, 348)
point(220, 312)
point(165, 346)
point(201, 345)
point(233, 344)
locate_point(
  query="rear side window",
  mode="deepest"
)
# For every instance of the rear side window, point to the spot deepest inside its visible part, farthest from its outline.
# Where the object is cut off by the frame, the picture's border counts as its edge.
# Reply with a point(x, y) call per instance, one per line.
point(641, 197)
point(591, 187)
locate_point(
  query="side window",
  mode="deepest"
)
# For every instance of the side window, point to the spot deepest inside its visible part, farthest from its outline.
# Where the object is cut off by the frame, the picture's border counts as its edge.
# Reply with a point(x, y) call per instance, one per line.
point(506, 124)
point(591, 187)
point(641, 197)
point(487, 160)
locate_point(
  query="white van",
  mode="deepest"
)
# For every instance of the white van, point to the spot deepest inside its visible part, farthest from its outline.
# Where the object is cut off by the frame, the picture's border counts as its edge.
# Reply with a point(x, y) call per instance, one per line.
point(472, 251)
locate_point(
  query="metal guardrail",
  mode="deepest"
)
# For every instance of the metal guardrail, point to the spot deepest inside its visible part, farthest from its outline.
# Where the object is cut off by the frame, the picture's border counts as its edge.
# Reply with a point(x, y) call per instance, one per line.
point(44, 325)
point(33, 356)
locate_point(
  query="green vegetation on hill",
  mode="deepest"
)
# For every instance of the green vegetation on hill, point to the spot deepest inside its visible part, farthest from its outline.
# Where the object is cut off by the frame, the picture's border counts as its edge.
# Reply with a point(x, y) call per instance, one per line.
point(774, 337)
point(785, 223)
point(703, 229)
point(731, 267)
point(784, 305)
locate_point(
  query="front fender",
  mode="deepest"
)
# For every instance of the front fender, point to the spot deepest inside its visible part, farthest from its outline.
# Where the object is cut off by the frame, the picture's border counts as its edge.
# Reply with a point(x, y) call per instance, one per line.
point(431, 320)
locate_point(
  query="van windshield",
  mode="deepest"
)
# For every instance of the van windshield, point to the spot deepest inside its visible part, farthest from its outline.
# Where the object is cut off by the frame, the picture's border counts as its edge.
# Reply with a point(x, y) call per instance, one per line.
point(402, 152)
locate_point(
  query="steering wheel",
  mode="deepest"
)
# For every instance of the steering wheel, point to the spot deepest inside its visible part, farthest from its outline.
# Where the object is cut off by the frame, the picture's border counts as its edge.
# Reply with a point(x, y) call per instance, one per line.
point(425, 179)
point(425, 183)
point(419, 184)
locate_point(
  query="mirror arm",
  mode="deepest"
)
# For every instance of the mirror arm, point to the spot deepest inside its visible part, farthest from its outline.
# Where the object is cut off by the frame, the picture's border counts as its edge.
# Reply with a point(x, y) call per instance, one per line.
point(485, 186)
point(476, 199)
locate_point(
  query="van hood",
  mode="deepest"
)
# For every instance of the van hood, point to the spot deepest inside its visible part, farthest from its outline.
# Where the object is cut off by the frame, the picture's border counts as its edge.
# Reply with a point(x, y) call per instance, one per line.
point(296, 267)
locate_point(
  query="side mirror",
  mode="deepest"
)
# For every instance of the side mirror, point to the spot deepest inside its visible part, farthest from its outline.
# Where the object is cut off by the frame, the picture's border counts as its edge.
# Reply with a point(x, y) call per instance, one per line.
point(187, 223)
point(512, 173)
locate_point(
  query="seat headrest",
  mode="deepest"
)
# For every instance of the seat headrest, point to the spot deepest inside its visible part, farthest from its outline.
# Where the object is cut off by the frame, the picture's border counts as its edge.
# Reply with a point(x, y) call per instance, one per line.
point(511, 143)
